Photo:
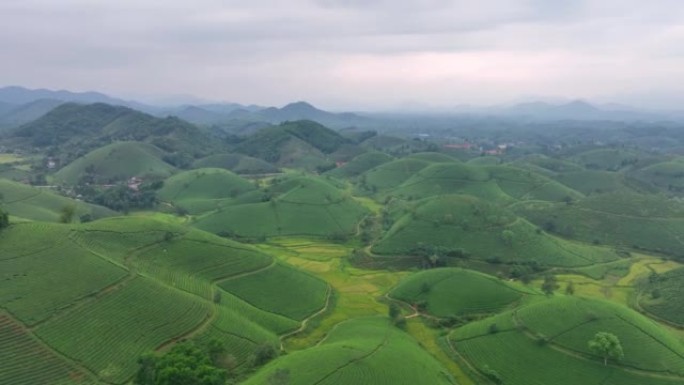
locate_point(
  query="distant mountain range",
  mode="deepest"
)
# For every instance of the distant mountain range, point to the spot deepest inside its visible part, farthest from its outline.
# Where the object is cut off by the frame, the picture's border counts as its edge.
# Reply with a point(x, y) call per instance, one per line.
point(20, 105)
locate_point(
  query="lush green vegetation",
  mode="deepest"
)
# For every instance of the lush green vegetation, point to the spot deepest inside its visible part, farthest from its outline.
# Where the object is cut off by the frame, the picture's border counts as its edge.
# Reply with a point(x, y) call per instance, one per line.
point(292, 206)
point(362, 351)
point(203, 190)
point(451, 292)
point(469, 227)
point(42, 204)
point(270, 289)
point(662, 297)
point(532, 241)
point(116, 162)
point(237, 163)
point(535, 342)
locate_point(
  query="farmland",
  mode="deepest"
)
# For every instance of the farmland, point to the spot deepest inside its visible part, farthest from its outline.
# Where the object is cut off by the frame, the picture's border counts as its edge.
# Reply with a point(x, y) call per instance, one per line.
point(285, 252)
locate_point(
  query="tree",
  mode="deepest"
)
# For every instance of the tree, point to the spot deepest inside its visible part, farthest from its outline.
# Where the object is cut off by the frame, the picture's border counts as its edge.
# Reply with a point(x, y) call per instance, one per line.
point(184, 364)
point(279, 377)
point(508, 236)
point(607, 345)
point(66, 214)
point(4, 219)
point(550, 284)
point(570, 288)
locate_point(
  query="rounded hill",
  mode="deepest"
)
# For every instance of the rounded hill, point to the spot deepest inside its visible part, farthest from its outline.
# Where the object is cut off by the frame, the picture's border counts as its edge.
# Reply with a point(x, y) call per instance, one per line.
point(477, 229)
point(537, 342)
point(360, 351)
point(117, 162)
point(448, 292)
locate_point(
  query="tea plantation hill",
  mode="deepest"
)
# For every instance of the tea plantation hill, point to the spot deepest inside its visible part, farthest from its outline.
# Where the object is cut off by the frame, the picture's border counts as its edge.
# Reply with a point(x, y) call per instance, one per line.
point(606, 159)
point(668, 175)
point(479, 230)
point(493, 183)
point(360, 164)
point(301, 144)
point(649, 222)
point(291, 205)
point(661, 296)
point(237, 163)
point(453, 292)
point(74, 129)
point(142, 284)
point(41, 204)
point(203, 190)
point(359, 351)
point(116, 162)
point(546, 342)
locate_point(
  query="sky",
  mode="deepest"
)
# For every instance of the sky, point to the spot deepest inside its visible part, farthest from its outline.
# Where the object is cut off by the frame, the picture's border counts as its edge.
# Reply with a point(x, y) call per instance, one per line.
point(351, 54)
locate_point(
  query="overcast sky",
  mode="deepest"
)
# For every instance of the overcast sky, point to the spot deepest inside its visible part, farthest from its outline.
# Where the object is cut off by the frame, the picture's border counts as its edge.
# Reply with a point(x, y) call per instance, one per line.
point(350, 54)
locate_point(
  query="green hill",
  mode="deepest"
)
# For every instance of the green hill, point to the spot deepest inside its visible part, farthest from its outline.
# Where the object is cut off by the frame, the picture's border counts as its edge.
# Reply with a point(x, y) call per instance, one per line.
point(301, 144)
point(450, 292)
point(204, 189)
point(360, 164)
point(142, 284)
point(625, 219)
point(41, 204)
point(117, 162)
point(237, 163)
point(360, 351)
point(662, 296)
point(665, 175)
point(482, 231)
point(606, 159)
point(306, 206)
point(547, 342)
point(594, 181)
point(392, 174)
point(546, 165)
point(494, 183)
point(76, 129)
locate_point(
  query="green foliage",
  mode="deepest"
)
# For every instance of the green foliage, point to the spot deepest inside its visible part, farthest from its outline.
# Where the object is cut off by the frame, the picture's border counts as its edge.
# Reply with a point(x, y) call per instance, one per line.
point(606, 345)
point(4, 219)
point(550, 284)
point(66, 214)
point(184, 364)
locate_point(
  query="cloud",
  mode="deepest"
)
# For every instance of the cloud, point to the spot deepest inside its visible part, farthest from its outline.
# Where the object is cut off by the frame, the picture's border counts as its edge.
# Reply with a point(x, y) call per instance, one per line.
point(348, 53)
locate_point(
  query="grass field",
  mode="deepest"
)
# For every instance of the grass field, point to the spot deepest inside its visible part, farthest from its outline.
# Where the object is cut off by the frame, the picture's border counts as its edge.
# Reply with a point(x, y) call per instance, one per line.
point(360, 351)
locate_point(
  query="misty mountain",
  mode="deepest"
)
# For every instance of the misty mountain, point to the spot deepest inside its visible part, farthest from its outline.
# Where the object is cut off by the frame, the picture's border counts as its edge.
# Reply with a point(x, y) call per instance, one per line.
point(15, 116)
